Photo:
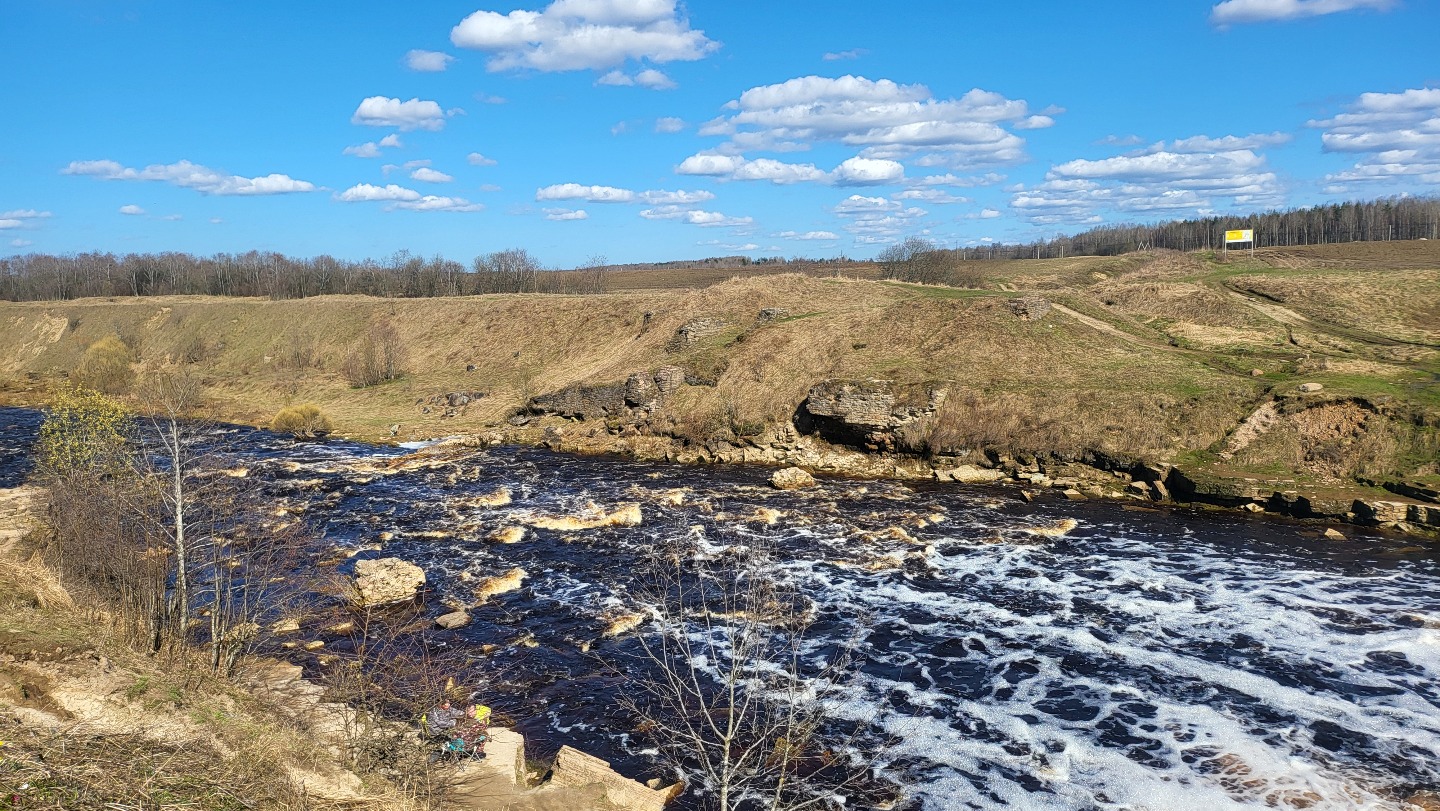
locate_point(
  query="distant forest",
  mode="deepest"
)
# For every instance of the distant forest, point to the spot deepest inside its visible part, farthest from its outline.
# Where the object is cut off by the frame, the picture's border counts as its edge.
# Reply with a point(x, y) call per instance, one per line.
point(40, 277)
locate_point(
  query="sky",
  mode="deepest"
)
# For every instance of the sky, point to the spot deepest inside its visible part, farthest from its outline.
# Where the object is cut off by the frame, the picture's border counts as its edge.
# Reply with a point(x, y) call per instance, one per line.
point(651, 130)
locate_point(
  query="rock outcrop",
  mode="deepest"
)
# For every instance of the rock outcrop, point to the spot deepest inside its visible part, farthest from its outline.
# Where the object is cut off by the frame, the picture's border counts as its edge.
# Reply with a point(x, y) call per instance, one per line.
point(864, 413)
point(692, 332)
point(576, 768)
point(386, 581)
point(1029, 308)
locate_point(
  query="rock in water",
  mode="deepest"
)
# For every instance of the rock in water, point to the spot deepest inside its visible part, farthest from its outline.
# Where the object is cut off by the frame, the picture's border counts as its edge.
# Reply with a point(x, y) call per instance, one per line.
point(491, 586)
point(386, 581)
point(453, 620)
point(791, 478)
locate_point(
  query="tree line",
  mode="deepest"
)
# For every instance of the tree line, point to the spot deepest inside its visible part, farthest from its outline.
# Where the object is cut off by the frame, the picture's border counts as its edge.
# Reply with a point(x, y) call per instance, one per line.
point(41, 277)
point(1385, 219)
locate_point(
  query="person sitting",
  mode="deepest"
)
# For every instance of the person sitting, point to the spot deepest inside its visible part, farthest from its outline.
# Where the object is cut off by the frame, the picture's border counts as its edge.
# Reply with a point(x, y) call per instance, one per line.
point(439, 720)
point(471, 732)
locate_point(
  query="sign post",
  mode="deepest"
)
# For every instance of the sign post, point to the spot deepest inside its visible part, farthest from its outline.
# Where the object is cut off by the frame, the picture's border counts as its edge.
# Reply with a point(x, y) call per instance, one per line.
point(1240, 237)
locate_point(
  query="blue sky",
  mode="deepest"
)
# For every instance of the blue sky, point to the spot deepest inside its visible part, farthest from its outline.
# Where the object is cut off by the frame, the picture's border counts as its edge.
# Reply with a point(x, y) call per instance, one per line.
point(646, 130)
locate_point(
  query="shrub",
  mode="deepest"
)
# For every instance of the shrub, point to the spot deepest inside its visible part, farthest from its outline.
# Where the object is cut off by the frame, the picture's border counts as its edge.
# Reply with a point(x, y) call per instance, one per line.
point(84, 433)
point(304, 421)
point(378, 358)
point(105, 366)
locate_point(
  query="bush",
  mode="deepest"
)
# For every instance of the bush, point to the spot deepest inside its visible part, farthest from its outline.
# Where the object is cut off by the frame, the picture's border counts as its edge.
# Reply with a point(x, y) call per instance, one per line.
point(304, 421)
point(105, 366)
point(378, 358)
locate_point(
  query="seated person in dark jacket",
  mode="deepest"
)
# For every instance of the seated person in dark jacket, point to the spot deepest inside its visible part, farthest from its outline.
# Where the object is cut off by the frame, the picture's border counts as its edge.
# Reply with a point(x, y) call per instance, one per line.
point(441, 719)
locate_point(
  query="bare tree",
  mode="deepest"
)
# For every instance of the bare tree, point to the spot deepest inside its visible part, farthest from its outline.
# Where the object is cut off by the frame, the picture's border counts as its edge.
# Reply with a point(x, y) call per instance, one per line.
point(718, 683)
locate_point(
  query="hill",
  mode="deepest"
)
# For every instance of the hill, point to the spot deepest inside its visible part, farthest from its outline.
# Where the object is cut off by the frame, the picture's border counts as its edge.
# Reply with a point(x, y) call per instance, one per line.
point(1311, 376)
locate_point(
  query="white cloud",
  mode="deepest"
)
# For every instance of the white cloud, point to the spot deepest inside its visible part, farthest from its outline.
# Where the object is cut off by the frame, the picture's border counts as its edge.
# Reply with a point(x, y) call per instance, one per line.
point(868, 172)
point(669, 124)
point(654, 80)
point(930, 195)
point(432, 202)
point(876, 218)
point(1154, 181)
point(476, 159)
point(20, 243)
point(853, 53)
point(616, 78)
point(808, 235)
point(365, 150)
point(191, 176)
point(890, 121)
point(855, 171)
point(564, 214)
point(132, 210)
point(704, 219)
point(660, 197)
point(1035, 122)
point(1398, 132)
point(592, 194)
point(173, 217)
point(415, 114)
point(986, 214)
point(583, 35)
point(1228, 143)
point(971, 181)
point(428, 175)
point(364, 192)
point(428, 61)
point(1253, 11)
point(21, 218)
point(392, 140)
point(216, 220)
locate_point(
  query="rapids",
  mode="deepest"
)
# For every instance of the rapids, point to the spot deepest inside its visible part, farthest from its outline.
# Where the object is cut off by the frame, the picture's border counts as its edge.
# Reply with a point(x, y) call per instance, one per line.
point(1055, 655)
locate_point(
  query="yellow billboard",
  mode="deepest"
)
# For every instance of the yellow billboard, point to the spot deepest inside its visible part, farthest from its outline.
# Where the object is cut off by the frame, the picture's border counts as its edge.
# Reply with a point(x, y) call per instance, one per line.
point(1247, 235)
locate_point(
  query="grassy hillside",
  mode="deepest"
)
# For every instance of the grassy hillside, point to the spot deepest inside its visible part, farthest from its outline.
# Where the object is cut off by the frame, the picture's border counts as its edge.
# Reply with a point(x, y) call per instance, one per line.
point(1152, 356)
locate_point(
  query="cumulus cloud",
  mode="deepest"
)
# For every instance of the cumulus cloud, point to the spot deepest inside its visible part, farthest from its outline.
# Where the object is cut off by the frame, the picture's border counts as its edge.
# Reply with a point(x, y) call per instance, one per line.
point(132, 210)
point(836, 56)
point(855, 171)
point(669, 124)
point(191, 176)
point(365, 150)
point(371, 149)
point(930, 195)
point(1398, 133)
point(868, 172)
point(428, 61)
point(809, 236)
point(401, 198)
point(428, 175)
point(985, 214)
point(383, 111)
point(365, 192)
point(584, 35)
point(21, 243)
point(966, 182)
point(616, 78)
point(704, 219)
point(1233, 12)
point(1228, 143)
point(22, 218)
point(654, 80)
point(564, 214)
point(431, 202)
point(592, 194)
point(659, 197)
point(889, 121)
point(1156, 181)
point(476, 159)
point(877, 219)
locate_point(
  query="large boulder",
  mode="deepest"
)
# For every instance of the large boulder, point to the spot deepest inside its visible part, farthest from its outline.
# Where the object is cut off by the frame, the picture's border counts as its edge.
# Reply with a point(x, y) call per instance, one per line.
point(386, 581)
point(693, 332)
point(583, 402)
point(865, 413)
point(791, 478)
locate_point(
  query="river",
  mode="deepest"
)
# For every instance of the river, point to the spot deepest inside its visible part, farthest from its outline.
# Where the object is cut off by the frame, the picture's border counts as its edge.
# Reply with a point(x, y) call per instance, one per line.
point(1140, 659)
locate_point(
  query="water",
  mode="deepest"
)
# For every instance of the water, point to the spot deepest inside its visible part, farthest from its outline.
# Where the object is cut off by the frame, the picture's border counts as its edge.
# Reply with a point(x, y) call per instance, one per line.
point(1139, 660)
